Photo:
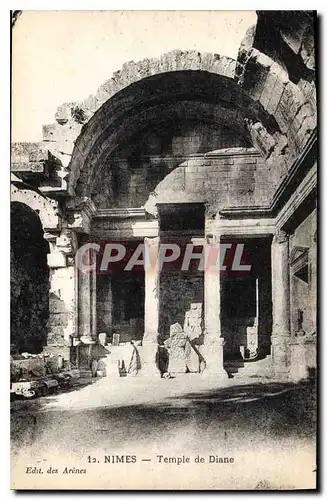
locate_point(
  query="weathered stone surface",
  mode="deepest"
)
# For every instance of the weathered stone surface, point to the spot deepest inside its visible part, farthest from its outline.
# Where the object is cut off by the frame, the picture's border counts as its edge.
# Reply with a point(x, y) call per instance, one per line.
point(193, 321)
point(262, 140)
point(306, 128)
point(158, 161)
point(229, 179)
point(298, 365)
point(307, 45)
point(173, 61)
point(28, 157)
point(243, 52)
point(280, 348)
point(62, 302)
point(262, 72)
point(25, 152)
point(63, 114)
point(61, 133)
point(46, 209)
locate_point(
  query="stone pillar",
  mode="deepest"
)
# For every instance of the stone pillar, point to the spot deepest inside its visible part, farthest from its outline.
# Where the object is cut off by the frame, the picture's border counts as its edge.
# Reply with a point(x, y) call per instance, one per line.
point(86, 301)
point(79, 216)
point(94, 300)
point(61, 323)
point(281, 332)
point(151, 309)
point(213, 341)
point(252, 340)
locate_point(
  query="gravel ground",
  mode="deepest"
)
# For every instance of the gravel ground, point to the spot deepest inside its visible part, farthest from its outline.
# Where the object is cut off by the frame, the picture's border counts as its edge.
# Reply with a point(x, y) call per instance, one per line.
point(267, 427)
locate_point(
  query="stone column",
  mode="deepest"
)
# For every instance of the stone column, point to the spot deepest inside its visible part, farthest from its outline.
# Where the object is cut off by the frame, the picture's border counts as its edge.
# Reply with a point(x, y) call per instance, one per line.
point(252, 340)
point(213, 341)
point(94, 332)
point(281, 333)
point(151, 309)
point(79, 217)
point(86, 302)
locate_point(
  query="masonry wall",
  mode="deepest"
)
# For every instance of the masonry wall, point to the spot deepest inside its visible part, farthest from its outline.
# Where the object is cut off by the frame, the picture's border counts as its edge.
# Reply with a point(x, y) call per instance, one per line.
point(238, 300)
point(120, 306)
point(235, 177)
point(190, 163)
point(177, 292)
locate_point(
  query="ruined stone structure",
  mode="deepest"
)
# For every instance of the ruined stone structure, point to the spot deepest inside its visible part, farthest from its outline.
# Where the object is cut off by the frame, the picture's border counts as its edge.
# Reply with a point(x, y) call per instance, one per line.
point(192, 146)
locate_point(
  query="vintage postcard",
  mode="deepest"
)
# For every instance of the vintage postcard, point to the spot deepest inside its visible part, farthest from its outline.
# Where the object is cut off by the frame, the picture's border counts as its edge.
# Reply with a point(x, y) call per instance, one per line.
point(163, 250)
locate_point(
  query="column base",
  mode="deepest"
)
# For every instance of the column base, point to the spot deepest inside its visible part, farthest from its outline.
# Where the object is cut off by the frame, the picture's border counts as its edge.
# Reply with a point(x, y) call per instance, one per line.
point(214, 358)
point(149, 360)
point(88, 340)
point(216, 373)
point(298, 369)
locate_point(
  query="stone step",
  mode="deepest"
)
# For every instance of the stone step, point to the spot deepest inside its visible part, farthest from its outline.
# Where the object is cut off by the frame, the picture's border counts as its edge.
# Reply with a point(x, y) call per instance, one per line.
point(260, 368)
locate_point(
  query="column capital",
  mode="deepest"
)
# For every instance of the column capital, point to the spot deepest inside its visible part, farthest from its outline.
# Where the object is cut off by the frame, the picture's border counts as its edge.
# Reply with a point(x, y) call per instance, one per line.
point(51, 236)
point(67, 242)
point(212, 239)
point(80, 212)
point(83, 203)
point(210, 211)
point(280, 236)
point(62, 245)
point(152, 242)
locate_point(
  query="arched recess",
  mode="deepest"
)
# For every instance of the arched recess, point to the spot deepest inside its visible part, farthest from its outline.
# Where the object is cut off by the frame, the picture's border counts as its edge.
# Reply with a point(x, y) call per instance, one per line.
point(170, 97)
point(273, 111)
point(143, 90)
point(29, 280)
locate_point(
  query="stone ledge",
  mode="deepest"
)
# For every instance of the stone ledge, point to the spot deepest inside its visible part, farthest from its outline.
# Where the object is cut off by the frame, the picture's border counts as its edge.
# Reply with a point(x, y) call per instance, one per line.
point(131, 72)
point(120, 213)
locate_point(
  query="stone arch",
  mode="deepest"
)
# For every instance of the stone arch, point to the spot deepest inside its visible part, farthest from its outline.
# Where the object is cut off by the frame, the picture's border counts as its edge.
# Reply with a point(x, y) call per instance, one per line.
point(278, 47)
point(29, 280)
point(45, 208)
point(277, 122)
point(128, 110)
point(146, 98)
point(160, 114)
point(132, 72)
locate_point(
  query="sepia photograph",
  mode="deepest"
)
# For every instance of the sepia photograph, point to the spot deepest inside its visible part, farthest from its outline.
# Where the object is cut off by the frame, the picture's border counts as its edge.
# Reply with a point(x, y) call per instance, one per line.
point(163, 250)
